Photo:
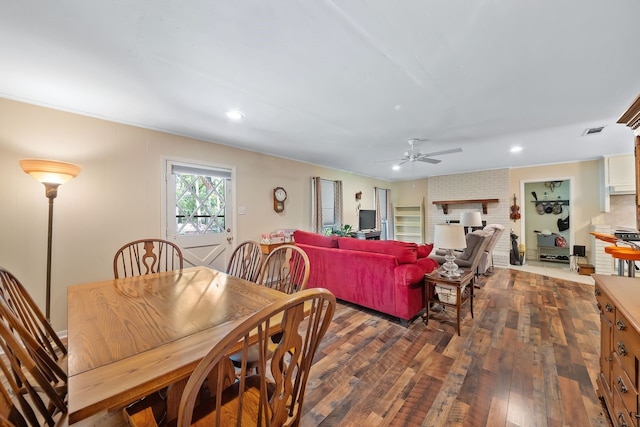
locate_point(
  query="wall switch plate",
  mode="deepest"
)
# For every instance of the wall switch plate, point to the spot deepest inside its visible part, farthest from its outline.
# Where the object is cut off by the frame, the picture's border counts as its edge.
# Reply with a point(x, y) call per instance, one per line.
point(242, 210)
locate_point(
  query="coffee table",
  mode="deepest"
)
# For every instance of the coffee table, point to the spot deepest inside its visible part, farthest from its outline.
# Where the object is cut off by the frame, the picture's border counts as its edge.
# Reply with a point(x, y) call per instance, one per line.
point(464, 281)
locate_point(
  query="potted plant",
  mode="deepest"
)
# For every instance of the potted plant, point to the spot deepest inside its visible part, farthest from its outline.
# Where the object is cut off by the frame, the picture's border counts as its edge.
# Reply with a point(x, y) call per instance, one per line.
point(345, 230)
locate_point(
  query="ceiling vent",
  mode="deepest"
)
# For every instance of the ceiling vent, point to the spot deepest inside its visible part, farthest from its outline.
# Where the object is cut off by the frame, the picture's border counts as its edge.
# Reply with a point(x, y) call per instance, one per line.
point(592, 131)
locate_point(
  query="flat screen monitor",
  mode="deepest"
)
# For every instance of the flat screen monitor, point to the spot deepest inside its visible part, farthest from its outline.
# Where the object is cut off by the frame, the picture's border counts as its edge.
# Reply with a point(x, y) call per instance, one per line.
point(367, 220)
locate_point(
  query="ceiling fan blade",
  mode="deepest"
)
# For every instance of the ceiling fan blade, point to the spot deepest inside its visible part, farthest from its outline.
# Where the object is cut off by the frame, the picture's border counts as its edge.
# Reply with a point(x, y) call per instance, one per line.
point(389, 160)
point(403, 162)
point(428, 160)
point(439, 153)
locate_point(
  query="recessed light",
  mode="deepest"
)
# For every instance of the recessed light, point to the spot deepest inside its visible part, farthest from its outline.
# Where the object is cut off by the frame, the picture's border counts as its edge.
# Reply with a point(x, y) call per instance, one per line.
point(234, 115)
point(516, 149)
point(395, 167)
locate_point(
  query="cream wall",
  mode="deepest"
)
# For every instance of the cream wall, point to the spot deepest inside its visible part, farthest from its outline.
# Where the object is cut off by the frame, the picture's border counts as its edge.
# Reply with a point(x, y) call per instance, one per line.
point(491, 184)
point(585, 195)
point(117, 197)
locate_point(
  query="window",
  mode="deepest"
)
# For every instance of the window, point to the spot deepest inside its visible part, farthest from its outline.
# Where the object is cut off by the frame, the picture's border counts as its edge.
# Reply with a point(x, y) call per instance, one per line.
point(329, 218)
point(200, 200)
point(326, 210)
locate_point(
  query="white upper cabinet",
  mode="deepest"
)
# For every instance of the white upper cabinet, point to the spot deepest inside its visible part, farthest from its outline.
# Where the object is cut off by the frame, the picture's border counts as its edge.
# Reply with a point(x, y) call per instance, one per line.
point(621, 174)
point(617, 176)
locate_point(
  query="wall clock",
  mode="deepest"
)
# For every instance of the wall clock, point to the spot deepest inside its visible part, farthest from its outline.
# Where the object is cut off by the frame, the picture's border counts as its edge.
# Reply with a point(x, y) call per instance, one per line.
point(279, 196)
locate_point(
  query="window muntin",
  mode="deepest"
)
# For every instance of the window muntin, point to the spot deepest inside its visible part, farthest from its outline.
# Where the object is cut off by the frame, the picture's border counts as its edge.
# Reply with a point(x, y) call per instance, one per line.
point(200, 200)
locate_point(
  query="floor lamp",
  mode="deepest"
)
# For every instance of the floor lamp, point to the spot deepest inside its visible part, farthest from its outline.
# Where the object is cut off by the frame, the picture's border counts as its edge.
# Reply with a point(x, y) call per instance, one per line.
point(52, 174)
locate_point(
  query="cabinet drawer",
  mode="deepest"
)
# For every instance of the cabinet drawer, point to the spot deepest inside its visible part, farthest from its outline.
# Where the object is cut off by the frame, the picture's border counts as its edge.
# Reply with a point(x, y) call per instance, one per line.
point(626, 343)
point(605, 305)
point(620, 415)
point(624, 387)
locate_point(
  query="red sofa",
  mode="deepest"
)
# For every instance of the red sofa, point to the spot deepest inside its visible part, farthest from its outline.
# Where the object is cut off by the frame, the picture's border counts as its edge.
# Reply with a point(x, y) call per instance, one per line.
point(383, 275)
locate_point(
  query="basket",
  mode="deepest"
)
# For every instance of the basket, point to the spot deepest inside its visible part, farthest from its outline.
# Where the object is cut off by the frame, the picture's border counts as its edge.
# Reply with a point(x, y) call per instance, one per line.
point(447, 294)
point(546, 240)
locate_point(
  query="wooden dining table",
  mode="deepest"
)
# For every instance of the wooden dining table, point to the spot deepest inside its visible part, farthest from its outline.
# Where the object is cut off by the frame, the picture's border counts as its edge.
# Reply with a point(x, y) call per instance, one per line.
point(130, 337)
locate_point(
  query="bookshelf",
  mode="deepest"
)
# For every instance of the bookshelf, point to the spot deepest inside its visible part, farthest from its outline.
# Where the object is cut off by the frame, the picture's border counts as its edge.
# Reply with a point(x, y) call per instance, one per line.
point(409, 223)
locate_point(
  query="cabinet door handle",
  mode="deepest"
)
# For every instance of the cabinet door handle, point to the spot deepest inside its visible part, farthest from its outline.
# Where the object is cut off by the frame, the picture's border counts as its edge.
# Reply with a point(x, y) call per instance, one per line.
point(621, 421)
point(622, 351)
point(621, 387)
point(620, 325)
point(608, 307)
point(597, 292)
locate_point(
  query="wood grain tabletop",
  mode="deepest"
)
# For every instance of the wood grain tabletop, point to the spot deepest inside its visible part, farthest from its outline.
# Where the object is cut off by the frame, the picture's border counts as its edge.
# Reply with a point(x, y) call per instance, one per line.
point(132, 336)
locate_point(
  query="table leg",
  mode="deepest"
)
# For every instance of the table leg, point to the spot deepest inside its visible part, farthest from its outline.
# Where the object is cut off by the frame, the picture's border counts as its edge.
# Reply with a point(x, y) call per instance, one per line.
point(458, 304)
point(471, 296)
point(426, 302)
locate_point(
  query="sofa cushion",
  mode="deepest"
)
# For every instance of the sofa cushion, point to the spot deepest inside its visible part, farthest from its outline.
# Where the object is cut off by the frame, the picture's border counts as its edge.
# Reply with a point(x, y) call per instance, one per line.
point(314, 239)
point(404, 252)
point(424, 250)
point(474, 241)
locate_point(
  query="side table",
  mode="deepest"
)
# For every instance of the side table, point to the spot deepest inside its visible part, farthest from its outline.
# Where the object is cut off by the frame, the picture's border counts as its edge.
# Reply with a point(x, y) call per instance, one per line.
point(435, 278)
point(266, 248)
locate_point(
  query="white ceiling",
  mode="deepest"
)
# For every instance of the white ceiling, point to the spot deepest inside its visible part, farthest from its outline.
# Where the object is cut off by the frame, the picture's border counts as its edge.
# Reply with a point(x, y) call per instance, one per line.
point(340, 83)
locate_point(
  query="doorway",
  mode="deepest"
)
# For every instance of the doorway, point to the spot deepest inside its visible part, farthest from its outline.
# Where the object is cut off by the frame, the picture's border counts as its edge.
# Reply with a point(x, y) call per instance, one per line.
point(199, 214)
point(546, 221)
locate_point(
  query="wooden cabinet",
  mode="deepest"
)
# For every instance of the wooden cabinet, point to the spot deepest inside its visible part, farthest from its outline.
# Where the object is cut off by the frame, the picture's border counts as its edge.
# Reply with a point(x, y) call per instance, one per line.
point(631, 118)
point(408, 223)
point(618, 300)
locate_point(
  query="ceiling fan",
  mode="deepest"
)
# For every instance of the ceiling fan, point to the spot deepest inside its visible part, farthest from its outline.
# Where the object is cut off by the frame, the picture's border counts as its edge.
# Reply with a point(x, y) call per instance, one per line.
point(414, 155)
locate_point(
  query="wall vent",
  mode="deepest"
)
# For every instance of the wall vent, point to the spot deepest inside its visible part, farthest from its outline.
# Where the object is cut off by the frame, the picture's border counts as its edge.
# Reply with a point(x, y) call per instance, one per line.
point(592, 131)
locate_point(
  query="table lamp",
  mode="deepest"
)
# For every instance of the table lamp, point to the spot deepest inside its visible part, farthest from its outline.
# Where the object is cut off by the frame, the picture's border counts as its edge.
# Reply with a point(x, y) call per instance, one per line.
point(449, 237)
point(52, 174)
point(471, 219)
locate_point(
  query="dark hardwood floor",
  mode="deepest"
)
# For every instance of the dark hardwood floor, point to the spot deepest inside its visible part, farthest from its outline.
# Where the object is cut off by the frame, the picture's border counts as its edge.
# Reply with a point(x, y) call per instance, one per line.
point(529, 358)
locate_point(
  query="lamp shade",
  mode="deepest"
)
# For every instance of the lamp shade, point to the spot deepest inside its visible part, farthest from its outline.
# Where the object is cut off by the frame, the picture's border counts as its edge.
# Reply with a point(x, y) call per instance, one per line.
point(50, 171)
point(449, 236)
point(471, 219)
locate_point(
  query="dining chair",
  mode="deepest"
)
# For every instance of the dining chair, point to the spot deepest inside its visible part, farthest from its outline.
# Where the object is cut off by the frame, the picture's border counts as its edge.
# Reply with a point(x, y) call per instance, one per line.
point(147, 256)
point(23, 314)
point(285, 269)
point(215, 395)
point(27, 397)
point(246, 261)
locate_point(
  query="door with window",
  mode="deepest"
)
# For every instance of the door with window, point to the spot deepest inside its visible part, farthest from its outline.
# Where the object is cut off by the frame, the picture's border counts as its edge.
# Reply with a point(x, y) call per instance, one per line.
point(198, 214)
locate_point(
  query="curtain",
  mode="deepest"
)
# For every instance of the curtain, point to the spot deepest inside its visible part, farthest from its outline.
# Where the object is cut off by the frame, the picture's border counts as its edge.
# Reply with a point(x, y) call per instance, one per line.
point(390, 217)
point(378, 193)
point(338, 204)
point(383, 206)
point(316, 205)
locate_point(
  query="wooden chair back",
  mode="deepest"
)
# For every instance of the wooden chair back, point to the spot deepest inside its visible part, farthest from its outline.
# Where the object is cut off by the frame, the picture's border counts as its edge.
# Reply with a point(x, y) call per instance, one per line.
point(147, 256)
point(22, 314)
point(275, 395)
point(286, 269)
point(246, 261)
point(27, 397)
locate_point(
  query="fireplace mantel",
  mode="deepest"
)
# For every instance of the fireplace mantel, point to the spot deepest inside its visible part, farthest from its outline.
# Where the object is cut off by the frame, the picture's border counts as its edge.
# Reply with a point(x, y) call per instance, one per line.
point(484, 202)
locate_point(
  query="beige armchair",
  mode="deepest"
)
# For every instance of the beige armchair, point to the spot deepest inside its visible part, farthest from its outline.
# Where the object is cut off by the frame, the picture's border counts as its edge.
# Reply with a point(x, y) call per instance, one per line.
point(486, 261)
point(470, 258)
